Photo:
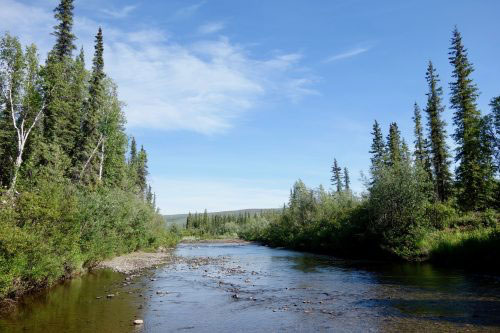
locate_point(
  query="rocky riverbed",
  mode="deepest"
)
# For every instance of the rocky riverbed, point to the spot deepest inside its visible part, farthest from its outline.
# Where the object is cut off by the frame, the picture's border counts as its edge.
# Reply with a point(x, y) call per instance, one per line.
point(241, 287)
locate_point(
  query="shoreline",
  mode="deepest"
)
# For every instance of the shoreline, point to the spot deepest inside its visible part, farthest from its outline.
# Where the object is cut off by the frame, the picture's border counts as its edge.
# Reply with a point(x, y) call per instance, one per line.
point(138, 261)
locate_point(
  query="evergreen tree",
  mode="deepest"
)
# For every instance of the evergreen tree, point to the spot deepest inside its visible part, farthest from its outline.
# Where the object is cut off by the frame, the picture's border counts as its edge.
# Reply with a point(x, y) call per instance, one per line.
point(133, 152)
point(487, 136)
point(495, 119)
point(142, 170)
point(63, 31)
point(336, 176)
point(378, 149)
point(63, 85)
point(437, 132)
point(114, 140)
point(470, 176)
point(347, 181)
point(405, 151)
point(394, 145)
point(421, 143)
point(91, 138)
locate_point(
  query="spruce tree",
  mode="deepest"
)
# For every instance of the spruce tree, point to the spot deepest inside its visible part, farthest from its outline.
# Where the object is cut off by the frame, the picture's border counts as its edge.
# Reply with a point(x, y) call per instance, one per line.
point(336, 176)
point(347, 180)
point(467, 120)
point(495, 119)
point(90, 137)
point(63, 31)
point(378, 149)
point(394, 151)
point(421, 143)
point(133, 152)
point(142, 170)
point(62, 78)
point(437, 136)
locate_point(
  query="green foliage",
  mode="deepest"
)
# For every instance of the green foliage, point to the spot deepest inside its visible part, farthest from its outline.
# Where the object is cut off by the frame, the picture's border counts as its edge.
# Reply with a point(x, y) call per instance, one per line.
point(397, 205)
point(437, 136)
point(53, 230)
point(336, 176)
point(472, 182)
point(64, 37)
point(77, 201)
point(378, 149)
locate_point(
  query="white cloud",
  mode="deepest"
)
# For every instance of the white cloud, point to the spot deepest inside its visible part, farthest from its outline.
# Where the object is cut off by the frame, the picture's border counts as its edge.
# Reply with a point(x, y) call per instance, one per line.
point(203, 86)
point(188, 11)
point(119, 13)
point(347, 54)
point(210, 28)
point(183, 196)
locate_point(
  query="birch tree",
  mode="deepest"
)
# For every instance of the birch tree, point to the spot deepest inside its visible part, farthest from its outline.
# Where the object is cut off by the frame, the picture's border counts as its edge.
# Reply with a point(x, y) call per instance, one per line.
point(21, 93)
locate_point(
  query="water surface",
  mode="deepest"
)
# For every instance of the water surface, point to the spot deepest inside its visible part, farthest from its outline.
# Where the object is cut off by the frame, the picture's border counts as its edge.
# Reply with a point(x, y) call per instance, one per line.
point(253, 288)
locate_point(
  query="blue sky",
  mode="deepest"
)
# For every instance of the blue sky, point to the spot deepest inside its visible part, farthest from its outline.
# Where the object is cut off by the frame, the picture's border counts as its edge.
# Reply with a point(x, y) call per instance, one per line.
point(235, 100)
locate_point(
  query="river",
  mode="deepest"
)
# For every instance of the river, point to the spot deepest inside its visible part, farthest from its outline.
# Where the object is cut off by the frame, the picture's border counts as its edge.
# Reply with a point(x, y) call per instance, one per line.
point(253, 288)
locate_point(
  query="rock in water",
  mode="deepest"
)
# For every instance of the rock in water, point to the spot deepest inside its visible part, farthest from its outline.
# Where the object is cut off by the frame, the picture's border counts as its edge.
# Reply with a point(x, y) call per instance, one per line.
point(138, 322)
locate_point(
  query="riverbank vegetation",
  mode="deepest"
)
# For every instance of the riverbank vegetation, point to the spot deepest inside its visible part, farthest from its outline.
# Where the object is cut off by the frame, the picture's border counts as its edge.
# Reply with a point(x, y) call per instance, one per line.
point(414, 207)
point(72, 190)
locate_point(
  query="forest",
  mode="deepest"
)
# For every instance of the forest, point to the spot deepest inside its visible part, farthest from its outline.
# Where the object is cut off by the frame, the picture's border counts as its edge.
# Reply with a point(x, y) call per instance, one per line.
point(415, 207)
point(73, 191)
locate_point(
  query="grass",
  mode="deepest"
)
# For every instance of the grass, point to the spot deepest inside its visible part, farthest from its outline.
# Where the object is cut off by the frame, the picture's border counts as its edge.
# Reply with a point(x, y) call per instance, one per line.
point(478, 247)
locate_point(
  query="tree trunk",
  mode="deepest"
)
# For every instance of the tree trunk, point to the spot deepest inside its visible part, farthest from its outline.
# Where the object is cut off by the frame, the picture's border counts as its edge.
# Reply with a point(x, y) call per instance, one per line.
point(102, 161)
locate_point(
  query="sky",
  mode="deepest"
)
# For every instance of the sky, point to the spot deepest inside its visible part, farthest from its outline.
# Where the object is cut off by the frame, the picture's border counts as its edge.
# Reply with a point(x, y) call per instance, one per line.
point(236, 100)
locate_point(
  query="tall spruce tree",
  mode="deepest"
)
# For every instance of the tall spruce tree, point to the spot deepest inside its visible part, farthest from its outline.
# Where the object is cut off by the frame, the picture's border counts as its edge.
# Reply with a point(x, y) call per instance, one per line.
point(133, 152)
point(378, 149)
point(90, 137)
point(336, 176)
point(470, 177)
point(421, 143)
point(142, 171)
point(437, 136)
point(495, 118)
point(63, 30)
point(347, 180)
point(394, 151)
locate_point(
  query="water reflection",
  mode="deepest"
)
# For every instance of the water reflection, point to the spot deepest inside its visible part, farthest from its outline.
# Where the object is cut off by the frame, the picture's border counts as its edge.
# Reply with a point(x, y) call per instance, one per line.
point(251, 288)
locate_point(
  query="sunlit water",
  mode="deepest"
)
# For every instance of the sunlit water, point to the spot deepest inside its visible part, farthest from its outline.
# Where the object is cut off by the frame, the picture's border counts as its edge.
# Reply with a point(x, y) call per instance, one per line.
point(252, 288)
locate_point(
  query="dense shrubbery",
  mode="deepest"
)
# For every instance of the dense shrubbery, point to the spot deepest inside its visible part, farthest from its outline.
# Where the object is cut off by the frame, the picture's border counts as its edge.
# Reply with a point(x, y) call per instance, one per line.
point(55, 230)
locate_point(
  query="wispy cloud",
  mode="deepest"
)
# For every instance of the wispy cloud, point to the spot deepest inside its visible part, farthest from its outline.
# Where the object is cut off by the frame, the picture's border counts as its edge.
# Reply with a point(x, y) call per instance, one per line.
point(119, 13)
point(203, 86)
point(347, 54)
point(210, 28)
point(188, 11)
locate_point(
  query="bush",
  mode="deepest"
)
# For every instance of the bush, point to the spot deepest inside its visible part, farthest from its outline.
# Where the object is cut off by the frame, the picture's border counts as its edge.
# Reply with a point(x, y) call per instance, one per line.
point(397, 207)
point(55, 229)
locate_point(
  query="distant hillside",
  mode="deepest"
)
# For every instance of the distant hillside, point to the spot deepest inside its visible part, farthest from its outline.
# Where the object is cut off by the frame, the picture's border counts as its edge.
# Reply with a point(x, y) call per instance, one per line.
point(180, 219)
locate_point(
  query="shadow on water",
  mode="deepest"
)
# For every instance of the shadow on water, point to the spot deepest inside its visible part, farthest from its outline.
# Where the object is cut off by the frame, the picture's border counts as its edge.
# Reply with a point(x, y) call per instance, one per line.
point(252, 288)
point(76, 305)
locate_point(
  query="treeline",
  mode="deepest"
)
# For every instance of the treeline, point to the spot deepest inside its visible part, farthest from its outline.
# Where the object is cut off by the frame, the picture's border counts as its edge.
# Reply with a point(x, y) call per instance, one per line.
point(70, 196)
point(224, 225)
point(415, 207)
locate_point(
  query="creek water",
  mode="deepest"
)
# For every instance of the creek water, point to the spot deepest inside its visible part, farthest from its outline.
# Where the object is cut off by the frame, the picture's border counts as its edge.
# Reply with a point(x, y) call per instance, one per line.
point(253, 288)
